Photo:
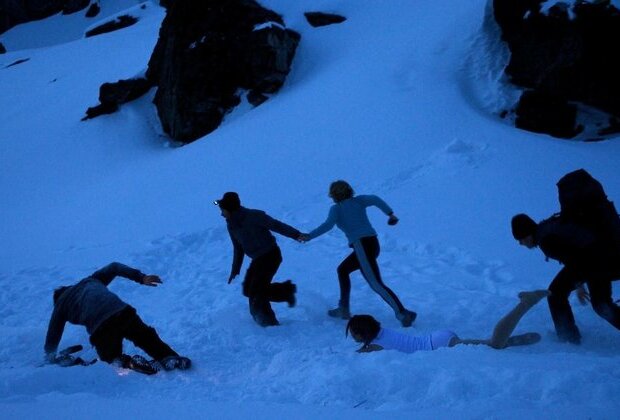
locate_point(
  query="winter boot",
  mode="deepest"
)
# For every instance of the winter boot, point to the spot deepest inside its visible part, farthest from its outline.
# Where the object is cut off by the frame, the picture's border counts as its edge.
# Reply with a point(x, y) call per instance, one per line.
point(174, 362)
point(291, 300)
point(341, 312)
point(136, 362)
point(406, 317)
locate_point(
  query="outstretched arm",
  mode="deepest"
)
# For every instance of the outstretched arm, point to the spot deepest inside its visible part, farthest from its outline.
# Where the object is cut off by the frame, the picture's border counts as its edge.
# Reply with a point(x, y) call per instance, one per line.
point(327, 225)
point(278, 226)
point(111, 271)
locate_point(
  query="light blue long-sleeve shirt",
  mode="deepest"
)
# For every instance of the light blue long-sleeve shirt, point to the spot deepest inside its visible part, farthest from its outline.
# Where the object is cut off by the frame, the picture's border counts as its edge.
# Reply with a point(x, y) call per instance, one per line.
point(351, 218)
point(393, 340)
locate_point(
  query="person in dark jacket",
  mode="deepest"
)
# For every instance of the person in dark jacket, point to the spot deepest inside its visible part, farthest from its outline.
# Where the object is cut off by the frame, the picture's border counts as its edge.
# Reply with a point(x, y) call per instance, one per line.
point(586, 259)
point(108, 320)
point(250, 232)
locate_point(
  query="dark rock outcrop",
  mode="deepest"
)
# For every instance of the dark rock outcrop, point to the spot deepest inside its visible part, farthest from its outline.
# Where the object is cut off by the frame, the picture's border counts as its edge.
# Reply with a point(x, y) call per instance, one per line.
point(207, 52)
point(14, 12)
point(613, 127)
point(566, 54)
point(543, 113)
point(111, 95)
point(166, 3)
point(93, 10)
point(114, 25)
point(17, 62)
point(317, 19)
point(73, 6)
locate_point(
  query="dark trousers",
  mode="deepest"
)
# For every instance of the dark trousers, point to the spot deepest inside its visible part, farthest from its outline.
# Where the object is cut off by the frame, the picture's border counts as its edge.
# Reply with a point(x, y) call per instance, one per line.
point(364, 258)
point(599, 287)
point(259, 289)
point(108, 338)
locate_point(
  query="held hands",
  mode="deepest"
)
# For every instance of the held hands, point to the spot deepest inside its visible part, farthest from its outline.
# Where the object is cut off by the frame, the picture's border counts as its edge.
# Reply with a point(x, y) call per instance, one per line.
point(150, 280)
point(392, 220)
point(303, 238)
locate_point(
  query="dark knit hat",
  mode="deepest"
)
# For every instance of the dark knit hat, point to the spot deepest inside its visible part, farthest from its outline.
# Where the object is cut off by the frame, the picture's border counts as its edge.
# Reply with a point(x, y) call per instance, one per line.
point(230, 201)
point(523, 226)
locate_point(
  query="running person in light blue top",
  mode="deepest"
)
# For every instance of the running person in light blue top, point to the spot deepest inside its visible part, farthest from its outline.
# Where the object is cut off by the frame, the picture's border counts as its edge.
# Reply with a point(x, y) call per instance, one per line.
point(349, 214)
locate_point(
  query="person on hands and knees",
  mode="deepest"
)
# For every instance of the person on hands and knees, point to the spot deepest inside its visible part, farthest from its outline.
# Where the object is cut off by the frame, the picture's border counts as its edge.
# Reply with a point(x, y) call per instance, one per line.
point(109, 320)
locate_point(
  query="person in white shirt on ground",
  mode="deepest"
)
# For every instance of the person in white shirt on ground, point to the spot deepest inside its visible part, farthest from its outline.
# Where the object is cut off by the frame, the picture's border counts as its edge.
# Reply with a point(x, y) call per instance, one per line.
point(367, 330)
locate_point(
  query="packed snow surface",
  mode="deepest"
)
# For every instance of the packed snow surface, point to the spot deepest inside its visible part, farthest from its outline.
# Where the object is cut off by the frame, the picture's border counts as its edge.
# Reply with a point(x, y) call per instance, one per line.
point(401, 100)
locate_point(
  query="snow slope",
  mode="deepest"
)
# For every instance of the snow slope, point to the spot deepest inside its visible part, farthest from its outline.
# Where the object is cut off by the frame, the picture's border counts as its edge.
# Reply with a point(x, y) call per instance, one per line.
point(401, 101)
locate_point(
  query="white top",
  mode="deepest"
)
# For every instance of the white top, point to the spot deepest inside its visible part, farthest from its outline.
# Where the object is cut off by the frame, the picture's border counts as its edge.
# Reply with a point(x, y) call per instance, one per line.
point(393, 340)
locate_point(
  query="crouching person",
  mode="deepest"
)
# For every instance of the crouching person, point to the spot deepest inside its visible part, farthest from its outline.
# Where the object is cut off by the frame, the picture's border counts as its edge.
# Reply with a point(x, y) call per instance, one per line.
point(109, 320)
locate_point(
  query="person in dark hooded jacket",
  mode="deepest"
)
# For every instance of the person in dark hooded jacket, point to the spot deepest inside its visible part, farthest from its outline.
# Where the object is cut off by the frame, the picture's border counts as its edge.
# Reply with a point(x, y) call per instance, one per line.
point(586, 259)
point(250, 232)
point(108, 320)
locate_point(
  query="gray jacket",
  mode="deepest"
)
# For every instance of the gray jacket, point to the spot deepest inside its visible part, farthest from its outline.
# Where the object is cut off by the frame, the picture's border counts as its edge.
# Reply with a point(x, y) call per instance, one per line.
point(250, 232)
point(88, 303)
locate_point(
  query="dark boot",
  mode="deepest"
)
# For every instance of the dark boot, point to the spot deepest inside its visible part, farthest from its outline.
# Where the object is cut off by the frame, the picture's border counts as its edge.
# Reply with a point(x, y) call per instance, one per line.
point(262, 313)
point(292, 289)
point(174, 362)
point(406, 317)
point(341, 312)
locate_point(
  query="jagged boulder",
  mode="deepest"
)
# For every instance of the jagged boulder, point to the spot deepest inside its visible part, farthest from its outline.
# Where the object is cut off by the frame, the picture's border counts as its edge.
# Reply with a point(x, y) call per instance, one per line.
point(74, 6)
point(544, 113)
point(14, 12)
point(317, 19)
point(93, 10)
point(120, 22)
point(567, 52)
point(111, 95)
point(210, 50)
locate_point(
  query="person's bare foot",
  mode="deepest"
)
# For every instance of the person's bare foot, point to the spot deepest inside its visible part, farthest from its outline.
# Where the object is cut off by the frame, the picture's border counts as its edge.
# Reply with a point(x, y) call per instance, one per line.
point(532, 297)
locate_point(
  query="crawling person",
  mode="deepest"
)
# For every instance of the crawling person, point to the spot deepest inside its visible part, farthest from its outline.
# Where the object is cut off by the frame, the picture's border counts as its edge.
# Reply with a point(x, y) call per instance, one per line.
point(109, 321)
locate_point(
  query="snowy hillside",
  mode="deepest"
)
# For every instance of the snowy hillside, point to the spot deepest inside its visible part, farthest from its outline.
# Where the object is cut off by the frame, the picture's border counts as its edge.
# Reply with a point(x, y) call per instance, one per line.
point(401, 100)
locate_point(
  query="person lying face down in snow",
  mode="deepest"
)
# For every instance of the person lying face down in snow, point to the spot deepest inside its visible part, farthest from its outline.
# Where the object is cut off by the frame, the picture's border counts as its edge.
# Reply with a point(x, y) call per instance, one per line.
point(367, 330)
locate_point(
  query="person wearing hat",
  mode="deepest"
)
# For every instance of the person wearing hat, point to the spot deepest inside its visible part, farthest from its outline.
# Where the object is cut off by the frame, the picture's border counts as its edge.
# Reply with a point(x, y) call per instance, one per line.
point(250, 232)
point(109, 320)
point(586, 260)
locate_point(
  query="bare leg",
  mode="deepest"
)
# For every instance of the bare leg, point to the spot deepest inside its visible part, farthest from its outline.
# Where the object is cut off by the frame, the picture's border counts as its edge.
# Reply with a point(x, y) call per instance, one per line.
point(501, 334)
point(506, 325)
